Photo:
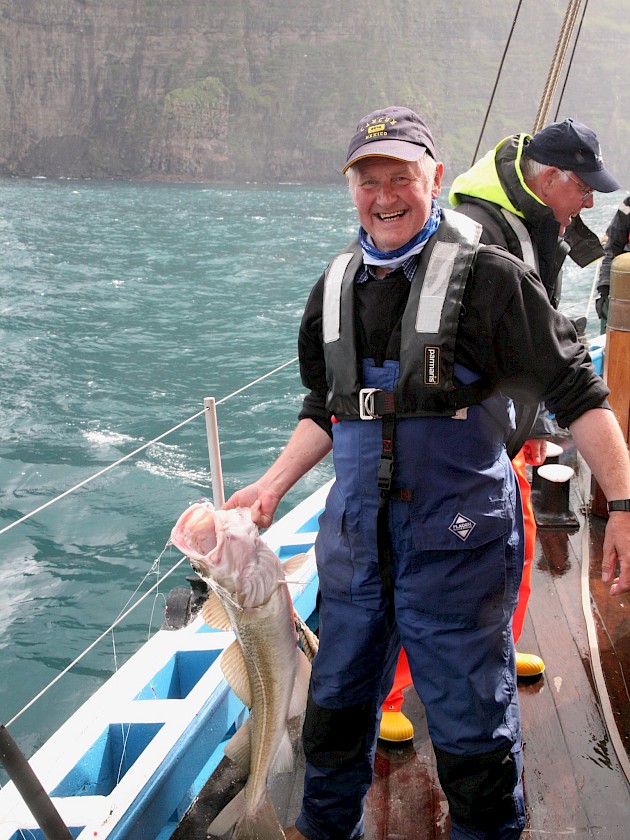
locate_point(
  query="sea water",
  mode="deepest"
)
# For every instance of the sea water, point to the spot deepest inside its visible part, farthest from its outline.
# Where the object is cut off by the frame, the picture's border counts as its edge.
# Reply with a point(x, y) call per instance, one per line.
point(122, 307)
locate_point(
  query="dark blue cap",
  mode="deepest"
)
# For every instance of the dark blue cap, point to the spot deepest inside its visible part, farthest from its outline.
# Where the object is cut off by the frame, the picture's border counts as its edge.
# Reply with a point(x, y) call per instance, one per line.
point(573, 146)
point(393, 132)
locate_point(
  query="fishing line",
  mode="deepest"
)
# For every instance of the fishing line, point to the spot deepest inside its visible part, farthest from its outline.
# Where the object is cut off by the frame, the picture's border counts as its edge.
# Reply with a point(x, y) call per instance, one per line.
point(125, 729)
point(125, 612)
point(94, 643)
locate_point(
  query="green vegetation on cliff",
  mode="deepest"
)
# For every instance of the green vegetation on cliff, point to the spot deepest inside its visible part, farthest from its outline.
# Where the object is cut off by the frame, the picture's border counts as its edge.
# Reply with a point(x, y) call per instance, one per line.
point(269, 90)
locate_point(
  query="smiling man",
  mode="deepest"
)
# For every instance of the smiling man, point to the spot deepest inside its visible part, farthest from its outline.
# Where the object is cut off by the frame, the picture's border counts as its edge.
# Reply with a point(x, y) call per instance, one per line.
point(411, 344)
point(390, 198)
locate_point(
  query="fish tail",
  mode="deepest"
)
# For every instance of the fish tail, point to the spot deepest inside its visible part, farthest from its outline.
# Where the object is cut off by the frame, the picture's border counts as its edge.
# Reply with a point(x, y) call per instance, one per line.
point(262, 824)
point(226, 818)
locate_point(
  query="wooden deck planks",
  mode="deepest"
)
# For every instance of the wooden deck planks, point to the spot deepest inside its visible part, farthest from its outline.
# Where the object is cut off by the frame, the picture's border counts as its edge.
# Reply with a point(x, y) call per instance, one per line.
point(574, 784)
point(405, 801)
point(612, 619)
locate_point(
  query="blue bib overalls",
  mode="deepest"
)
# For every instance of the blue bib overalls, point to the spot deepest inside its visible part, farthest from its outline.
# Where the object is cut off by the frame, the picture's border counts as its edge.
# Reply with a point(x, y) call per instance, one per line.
point(456, 561)
point(441, 577)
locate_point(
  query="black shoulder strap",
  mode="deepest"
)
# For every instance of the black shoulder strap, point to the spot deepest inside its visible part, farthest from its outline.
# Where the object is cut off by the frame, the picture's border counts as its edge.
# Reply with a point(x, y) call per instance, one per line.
point(496, 214)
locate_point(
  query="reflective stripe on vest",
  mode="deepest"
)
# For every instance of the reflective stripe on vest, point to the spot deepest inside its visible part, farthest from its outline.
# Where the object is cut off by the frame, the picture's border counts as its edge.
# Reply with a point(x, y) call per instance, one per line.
point(528, 254)
point(332, 297)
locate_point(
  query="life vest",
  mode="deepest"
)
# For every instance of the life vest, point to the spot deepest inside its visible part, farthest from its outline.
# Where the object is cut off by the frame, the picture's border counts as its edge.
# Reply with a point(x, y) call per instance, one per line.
point(425, 384)
point(451, 466)
point(454, 475)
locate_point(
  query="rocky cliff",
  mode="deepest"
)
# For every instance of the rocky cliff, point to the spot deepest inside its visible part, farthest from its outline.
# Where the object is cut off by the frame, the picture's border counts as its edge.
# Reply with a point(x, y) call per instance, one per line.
point(269, 90)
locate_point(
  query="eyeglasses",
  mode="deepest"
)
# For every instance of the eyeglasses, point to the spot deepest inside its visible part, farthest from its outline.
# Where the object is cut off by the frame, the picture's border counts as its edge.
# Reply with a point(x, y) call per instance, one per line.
point(586, 193)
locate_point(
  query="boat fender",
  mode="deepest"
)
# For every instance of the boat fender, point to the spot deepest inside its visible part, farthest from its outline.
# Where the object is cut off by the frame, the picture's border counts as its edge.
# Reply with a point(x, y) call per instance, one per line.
point(183, 604)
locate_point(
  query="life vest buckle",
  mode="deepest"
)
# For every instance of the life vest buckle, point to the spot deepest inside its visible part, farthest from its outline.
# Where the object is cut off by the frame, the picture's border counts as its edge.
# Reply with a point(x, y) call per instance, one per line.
point(367, 409)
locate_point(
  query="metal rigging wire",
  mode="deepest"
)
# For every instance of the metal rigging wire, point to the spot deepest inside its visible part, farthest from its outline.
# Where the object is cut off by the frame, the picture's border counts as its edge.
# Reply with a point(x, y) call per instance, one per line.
point(144, 446)
point(127, 610)
point(568, 25)
point(496, 81)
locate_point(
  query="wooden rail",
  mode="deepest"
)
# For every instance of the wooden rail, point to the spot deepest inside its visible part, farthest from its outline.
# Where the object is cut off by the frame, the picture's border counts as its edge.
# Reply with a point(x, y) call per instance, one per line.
point(616, 368)
point(617, 357)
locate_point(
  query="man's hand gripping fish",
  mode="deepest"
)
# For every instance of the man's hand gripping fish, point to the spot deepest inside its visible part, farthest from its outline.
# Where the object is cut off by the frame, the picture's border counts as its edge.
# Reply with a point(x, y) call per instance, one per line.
point(264, 665)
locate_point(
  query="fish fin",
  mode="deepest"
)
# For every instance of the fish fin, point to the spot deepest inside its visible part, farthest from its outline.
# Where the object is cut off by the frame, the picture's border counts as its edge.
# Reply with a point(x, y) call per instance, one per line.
point(283, 762)
point(263, 822)
point(238, 748)
point(300, 686)
point(293, 564)
point(310, 642)
point(226, 818)
point(235, 672)
point(214, 613)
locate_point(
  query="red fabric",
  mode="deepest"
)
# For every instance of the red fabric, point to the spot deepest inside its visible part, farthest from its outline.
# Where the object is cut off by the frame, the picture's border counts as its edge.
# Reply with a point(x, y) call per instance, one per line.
point(530, 541)
point(402, 678)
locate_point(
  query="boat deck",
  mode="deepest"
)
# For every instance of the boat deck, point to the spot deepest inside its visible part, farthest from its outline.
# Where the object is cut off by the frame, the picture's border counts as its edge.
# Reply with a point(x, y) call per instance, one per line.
point(575, 782)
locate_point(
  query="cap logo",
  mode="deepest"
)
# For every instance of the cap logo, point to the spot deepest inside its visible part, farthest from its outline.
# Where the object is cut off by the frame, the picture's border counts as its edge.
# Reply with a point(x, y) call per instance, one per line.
point(378, 125)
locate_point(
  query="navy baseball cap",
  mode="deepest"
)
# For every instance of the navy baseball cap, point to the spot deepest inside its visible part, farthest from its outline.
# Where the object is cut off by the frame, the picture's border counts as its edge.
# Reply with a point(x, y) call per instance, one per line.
point(393, 132)
point(573, 146)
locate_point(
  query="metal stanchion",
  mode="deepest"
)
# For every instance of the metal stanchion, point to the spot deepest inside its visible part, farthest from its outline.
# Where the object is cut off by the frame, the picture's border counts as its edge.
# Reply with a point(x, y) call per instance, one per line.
point(30, 789)
point(553, 510)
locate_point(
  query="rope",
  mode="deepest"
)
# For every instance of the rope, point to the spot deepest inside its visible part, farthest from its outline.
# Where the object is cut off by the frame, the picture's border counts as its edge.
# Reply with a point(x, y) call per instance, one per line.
point(551, 84)
point(593, 288)
point(568, 73)
point(568, 24)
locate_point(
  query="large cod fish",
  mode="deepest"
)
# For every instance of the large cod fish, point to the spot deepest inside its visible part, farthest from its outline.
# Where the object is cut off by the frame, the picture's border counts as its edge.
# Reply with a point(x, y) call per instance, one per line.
point(264, 666)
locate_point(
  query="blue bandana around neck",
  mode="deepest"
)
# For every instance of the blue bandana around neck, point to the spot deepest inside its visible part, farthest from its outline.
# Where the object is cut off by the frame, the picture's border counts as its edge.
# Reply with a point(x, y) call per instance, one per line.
point(394, 259)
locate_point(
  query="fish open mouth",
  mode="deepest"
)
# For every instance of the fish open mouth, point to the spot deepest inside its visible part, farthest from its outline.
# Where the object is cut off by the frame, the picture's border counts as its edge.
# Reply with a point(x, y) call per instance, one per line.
point(194, 533)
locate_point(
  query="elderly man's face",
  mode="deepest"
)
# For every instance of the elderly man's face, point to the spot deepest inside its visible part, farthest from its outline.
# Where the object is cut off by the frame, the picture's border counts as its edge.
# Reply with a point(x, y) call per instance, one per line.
point(567, 197)
point(393, 199)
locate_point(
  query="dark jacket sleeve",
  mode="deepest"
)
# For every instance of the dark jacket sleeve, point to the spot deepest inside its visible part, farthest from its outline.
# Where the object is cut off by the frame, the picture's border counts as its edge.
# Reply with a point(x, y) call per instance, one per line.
point(528, 348)
point(312, 365)
point(618, 236)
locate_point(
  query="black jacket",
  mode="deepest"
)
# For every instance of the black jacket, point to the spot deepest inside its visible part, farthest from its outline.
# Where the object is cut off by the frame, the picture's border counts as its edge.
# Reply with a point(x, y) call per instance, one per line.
point(617, 241)
point(508, 331)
